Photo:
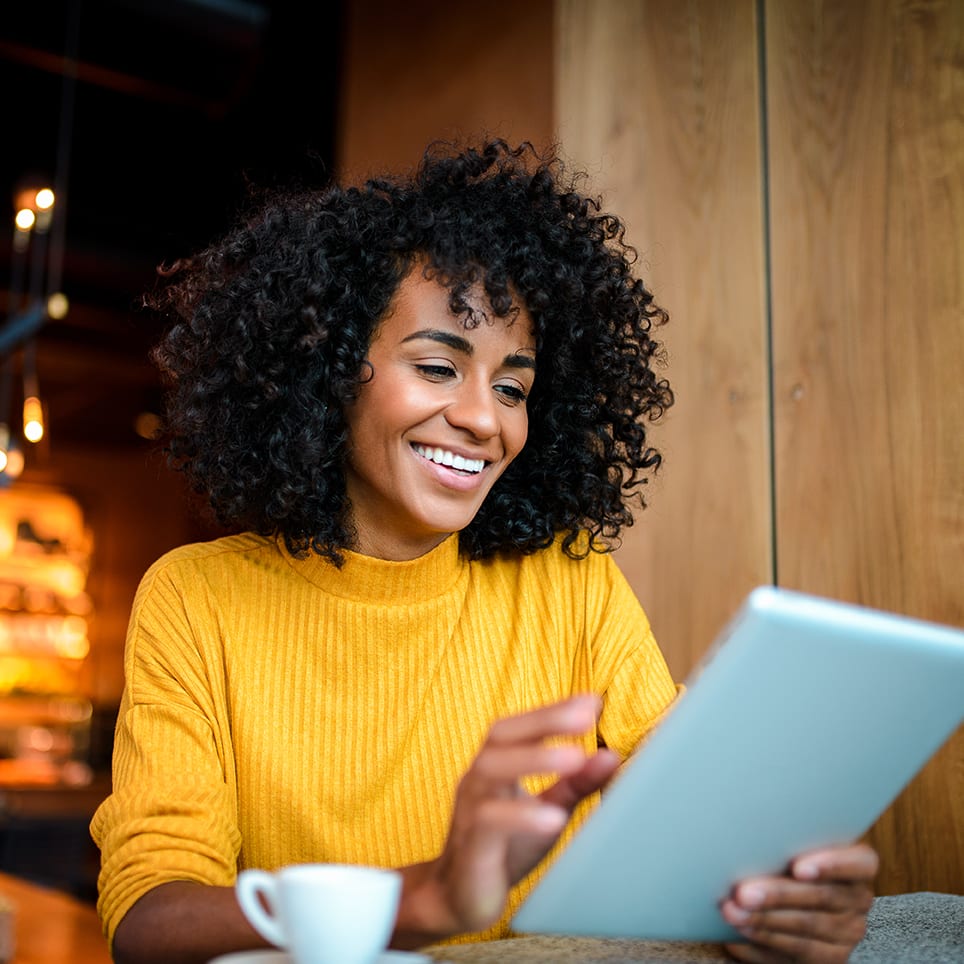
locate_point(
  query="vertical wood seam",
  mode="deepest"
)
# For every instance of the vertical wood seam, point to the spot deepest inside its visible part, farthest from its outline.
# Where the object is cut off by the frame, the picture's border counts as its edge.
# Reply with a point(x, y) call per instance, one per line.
point(767, 286)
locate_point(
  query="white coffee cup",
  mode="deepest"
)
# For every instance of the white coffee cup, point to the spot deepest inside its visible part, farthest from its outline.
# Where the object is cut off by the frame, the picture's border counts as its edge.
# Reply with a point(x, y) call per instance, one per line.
point(323, 913)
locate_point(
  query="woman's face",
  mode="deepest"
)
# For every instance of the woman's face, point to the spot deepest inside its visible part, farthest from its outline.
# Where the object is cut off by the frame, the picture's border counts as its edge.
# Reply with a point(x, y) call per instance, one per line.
point(441, 418)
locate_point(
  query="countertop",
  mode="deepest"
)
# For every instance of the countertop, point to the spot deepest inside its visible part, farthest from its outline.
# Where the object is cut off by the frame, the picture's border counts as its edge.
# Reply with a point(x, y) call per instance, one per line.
point(921, 928)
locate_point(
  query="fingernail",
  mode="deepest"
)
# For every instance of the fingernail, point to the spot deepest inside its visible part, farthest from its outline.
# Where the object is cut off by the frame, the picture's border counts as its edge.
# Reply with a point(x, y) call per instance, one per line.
point(752, 896)
point(551, 818)
point(737, 915)
point(806, 871)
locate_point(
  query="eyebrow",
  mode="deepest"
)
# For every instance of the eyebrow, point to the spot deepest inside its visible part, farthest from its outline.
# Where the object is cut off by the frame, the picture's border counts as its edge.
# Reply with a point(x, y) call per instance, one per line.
point(465, 347)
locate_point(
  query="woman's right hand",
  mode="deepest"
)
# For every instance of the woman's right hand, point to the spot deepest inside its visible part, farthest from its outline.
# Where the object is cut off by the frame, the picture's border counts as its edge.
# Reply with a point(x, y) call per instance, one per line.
point(499, 832)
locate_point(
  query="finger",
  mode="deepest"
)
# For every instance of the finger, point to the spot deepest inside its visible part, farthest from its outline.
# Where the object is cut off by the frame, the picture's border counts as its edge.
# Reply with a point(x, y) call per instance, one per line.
point(856, 862)
point(484, 843)
point(806, 947)
point(478, 871)
point(595, 773)
point(496, 820)
point(845, 928)
point(524, 815)
point(767, 893)
point(568, 717)
point(506, 765)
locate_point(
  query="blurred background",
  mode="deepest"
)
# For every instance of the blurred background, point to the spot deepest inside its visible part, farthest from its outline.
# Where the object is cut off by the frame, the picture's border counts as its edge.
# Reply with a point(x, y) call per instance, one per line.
point(792, 174)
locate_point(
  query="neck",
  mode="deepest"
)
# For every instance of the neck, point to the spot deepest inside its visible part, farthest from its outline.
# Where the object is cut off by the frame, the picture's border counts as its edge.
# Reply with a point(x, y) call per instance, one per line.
point(378, 546)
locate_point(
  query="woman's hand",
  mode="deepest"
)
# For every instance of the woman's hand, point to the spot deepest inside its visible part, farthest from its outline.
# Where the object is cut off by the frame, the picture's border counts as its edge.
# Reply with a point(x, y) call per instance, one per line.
point(816, 913)
point(499, 832)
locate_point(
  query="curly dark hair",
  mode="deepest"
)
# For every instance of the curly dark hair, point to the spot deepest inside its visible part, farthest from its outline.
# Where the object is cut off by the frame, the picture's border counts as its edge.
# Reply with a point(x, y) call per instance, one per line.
point(271, 327)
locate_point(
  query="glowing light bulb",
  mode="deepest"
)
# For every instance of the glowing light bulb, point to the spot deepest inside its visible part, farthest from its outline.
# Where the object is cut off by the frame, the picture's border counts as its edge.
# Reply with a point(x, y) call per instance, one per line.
point(57, 305)
point(44, 198)
point(24, 219)
point(33, 419)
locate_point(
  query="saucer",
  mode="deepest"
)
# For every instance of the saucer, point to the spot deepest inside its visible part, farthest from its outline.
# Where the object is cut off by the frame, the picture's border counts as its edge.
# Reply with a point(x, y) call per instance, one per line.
point(282, 957)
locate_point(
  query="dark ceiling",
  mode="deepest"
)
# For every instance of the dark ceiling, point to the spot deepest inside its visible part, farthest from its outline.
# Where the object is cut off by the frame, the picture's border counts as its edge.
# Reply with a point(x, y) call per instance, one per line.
point(172, 106)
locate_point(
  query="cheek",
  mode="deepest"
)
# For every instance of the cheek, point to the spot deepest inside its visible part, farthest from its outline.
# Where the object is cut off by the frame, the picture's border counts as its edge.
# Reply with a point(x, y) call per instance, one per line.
point(517, 434)
point(384, 410)
point(363, 421)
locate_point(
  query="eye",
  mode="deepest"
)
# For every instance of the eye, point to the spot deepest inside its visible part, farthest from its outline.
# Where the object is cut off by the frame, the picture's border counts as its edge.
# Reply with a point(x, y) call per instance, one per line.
point(436, 373)
point(513, 394)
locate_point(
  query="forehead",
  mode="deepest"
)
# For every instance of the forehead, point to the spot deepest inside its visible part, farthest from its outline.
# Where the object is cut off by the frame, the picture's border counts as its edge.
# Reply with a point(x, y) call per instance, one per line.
point(421, 303)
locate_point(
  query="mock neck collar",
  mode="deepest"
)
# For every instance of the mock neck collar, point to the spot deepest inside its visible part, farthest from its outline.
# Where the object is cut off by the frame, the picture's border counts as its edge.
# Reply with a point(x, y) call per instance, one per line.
point(366, 579)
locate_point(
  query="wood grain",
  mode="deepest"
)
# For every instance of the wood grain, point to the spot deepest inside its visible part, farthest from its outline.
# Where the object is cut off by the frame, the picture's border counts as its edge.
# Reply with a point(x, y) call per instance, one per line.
point(865, 104)
point(864, 108)
point(658, 100)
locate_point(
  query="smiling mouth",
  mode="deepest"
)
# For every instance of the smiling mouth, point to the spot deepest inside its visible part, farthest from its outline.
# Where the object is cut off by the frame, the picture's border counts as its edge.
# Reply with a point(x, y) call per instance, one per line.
point(450, 459)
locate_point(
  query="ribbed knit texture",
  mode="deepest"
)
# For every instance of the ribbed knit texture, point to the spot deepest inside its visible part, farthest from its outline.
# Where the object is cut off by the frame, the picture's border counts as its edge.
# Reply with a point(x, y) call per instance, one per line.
point(283, 711)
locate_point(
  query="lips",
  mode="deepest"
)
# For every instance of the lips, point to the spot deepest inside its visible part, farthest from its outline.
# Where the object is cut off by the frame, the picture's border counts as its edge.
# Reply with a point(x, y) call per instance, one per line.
point(450, 459)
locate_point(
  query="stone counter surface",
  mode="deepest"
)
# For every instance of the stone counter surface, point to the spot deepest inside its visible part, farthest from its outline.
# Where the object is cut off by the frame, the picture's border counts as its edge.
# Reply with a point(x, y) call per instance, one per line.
point(921, 928)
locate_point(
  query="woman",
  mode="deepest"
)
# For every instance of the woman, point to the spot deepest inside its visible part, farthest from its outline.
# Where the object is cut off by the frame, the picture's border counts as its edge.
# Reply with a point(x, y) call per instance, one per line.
point(422, 404)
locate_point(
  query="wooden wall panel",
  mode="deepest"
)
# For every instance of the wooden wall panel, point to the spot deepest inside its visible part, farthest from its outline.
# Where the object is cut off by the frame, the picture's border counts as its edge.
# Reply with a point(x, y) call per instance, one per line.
point(865, 103)
point(425, 69)
point(659, 101)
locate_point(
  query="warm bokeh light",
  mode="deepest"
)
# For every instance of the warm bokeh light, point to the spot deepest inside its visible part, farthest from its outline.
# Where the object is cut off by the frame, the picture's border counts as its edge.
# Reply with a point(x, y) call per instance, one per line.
point(8, 464)
point(33, 419)
point(44, 198)
point(20, 673)
point(44, 635)
point(66, 578)
point(24, 219)
point(44, 608)
point(57, 305)
point(15, 463)
point(79, 605)
point(71, 640)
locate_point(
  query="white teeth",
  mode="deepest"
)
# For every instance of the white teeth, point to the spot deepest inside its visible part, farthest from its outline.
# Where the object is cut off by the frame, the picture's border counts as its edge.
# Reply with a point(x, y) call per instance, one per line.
point(442, 457)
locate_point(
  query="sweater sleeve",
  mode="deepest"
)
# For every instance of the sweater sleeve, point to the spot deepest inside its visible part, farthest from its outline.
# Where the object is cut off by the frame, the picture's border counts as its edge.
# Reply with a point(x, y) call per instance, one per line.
point(172, 813)
point(628, 667)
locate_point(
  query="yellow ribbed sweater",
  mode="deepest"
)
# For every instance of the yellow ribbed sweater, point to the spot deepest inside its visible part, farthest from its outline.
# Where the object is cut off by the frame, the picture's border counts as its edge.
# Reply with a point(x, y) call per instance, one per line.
point(280, 711)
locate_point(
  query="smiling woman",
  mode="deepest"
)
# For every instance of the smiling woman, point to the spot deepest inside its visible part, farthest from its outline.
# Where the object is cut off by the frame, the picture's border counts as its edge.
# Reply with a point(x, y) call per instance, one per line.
point(440, 419)
point(260, 391)
point(424, 404)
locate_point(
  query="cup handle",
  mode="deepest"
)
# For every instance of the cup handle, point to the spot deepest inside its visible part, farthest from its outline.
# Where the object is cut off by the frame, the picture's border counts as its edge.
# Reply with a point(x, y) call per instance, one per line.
point(251, 887)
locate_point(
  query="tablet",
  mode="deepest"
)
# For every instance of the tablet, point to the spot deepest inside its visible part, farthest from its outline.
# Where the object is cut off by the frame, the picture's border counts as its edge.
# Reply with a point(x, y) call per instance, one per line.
point(800, 725)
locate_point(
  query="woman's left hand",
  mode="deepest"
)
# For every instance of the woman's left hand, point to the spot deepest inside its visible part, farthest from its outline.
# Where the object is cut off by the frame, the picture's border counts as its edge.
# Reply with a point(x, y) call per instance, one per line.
point(816, 913)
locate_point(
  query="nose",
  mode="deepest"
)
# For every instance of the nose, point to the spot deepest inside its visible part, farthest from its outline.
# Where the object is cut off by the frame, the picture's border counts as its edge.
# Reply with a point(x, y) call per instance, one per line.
point(473, 409)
